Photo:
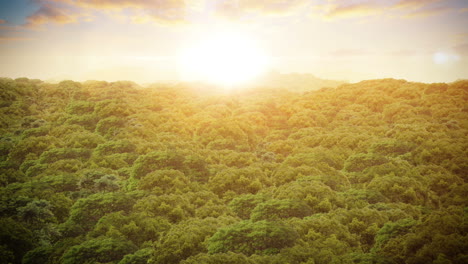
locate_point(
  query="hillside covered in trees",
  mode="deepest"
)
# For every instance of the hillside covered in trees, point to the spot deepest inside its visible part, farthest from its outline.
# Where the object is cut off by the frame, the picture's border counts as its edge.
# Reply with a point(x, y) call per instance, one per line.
point(98, 172)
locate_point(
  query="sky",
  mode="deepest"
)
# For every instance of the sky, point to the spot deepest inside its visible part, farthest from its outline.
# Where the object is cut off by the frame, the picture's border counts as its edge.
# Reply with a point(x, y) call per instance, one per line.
point(142, 40)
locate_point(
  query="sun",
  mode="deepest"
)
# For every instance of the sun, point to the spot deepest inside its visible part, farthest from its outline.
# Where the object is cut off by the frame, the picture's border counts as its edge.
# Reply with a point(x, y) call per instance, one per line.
point(225, 58)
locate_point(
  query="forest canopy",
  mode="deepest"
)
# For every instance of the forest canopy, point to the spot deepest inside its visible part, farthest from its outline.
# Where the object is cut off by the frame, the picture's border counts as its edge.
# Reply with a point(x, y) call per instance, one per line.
point(112, 172)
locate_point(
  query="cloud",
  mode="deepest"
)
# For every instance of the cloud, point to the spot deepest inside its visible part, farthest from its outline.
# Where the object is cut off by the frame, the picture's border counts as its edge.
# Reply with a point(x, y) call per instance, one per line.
point(422, 8)
point(2, 21)
point(459, 38)
point(120, 4)
point(9, 39)
point(180, 11)
point(239, 8)
point(137, 10)
point(413, 4)
point(349, 53)
point(342, 9)
point(428, 12)
point(445, 57)
point(50, 14)
point(336, 10)
point(462, 49)
point(402, 53)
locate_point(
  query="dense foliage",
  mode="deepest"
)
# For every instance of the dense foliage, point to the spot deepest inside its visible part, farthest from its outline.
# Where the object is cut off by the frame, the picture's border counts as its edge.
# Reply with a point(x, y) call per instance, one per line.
point(98, 172)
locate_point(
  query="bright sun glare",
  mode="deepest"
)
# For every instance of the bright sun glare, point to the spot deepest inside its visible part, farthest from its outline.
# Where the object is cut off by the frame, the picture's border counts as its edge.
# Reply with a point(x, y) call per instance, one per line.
point(226, 59)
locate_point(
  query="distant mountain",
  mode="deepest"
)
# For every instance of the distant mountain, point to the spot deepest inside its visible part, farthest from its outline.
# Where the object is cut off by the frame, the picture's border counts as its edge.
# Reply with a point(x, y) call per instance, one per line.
point(297, 82)
point(291, 82)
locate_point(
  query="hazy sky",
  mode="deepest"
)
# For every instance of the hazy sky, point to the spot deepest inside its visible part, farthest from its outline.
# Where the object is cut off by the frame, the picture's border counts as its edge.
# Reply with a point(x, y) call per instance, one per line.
point(140, 40)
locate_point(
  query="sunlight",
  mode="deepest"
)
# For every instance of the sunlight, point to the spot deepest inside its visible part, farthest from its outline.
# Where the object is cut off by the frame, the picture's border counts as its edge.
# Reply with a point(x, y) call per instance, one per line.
point(225, 59)
point(445, 58)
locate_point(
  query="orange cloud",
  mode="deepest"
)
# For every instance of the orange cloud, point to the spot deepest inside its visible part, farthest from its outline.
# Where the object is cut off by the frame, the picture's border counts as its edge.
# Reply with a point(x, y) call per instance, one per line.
point(403, 8)
point(176, 11)
point(120, 4)
point(2, 21)
point(8, 39)
point(422, 8)
point(428, 12)
point(349, 53)
point(238, 8)
point(353, 10)
point(413, 4)
point(462, 49)
point(139, 10)
point(50, 14)
point(402, 53)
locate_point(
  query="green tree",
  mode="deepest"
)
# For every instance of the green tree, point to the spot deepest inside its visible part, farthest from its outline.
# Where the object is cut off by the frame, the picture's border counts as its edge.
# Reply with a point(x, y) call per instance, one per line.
point(247, 237)
point(36, 212)
point(87, 211)
point(15, 239)
point(226, 258)
point(186, 239)
point(244, 204)
point(100, 250)
point(277, 209)
point(155, 161)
